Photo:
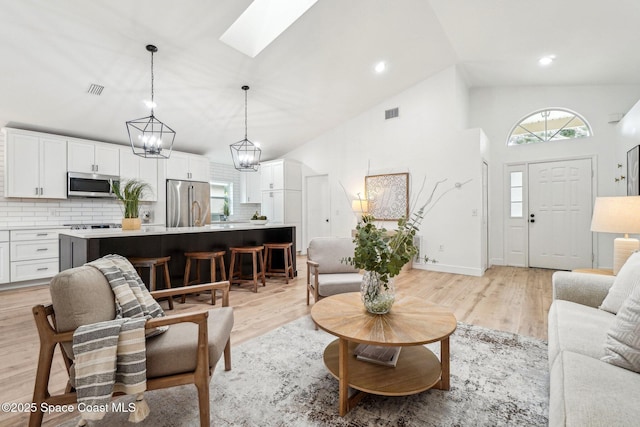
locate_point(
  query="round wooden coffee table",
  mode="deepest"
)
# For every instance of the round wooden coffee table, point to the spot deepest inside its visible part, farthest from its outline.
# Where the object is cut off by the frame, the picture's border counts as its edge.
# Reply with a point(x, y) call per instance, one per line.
point(410, 324)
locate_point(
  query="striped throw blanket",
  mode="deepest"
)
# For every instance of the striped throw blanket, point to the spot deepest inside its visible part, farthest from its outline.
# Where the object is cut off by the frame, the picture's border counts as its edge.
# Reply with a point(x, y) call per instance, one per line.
point(110, 356)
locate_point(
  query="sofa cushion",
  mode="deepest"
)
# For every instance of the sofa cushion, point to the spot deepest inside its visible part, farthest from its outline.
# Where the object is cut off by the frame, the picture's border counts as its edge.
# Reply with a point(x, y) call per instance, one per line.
point(588, 392)
point(577, 328)
point(627, 279)
point(339, 283)
point(622, 345)
point(328, 252)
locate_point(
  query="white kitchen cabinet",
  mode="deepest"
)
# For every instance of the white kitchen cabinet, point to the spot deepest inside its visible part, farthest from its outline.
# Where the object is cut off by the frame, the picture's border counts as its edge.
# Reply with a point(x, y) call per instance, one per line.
point(35, 165)
point(136, 167)
point(250, 191)
point(5, 263)
point(281, 184)
point(188, 166)
point(283, 207)
point(93, 157)
point(33, 254)
point(281, 174)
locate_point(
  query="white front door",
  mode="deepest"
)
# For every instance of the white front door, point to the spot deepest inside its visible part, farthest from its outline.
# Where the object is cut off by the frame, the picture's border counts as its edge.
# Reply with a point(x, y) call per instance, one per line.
point(318, 207)
point(559, 214)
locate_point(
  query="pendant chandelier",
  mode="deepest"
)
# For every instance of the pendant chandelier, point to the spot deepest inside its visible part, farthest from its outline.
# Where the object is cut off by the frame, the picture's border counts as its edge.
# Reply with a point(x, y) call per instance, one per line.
point(245, 154)
point(150, 137)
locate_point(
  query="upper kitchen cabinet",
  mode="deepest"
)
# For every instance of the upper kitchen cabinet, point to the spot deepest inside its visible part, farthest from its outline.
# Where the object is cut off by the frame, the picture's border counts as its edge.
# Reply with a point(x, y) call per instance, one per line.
point(281, 175)
point(136, 167)
point(250, 187)
point(48, 153)
point(93, 157)
point(188, 166)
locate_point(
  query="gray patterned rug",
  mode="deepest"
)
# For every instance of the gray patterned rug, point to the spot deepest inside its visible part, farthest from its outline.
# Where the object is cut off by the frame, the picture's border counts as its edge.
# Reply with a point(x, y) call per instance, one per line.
point(279, 379)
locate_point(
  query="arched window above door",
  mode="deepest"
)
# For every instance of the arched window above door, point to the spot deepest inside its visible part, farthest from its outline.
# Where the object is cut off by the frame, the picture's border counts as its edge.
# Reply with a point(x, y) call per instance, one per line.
point(549, 125)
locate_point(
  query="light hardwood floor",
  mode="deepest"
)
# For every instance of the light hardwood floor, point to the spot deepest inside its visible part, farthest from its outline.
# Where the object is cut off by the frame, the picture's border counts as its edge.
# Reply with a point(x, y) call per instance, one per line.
point(505, 298)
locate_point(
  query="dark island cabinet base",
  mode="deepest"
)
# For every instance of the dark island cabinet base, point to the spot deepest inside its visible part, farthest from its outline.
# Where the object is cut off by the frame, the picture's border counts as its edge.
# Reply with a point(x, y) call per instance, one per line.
point(76, 251)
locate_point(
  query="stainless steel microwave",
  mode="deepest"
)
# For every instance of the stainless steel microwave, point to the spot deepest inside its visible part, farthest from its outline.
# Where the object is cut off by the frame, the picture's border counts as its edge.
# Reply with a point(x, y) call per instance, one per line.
point(90, 185)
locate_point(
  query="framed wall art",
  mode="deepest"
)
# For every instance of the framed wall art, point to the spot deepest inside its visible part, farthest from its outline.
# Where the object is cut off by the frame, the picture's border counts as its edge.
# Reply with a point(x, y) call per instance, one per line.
point(388, 196)
point(633, 171)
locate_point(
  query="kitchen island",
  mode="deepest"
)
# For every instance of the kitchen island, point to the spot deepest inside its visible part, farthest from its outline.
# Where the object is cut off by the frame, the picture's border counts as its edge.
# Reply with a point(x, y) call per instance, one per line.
point(78, 247)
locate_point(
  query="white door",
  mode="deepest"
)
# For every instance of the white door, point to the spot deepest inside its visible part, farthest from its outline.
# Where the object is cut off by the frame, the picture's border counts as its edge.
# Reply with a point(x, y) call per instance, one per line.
point(485, 216)
point(559, 215)
point(318, 207)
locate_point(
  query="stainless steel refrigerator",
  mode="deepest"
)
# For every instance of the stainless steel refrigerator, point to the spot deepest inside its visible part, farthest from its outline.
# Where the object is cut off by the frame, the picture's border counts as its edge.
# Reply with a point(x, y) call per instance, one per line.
point(188, 203)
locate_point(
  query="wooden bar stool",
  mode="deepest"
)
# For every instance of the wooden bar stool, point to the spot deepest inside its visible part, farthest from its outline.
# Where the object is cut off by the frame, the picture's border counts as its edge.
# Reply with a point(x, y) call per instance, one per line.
point(235, 270)
point(152, 263)
point(204, 256)
point(287, 271)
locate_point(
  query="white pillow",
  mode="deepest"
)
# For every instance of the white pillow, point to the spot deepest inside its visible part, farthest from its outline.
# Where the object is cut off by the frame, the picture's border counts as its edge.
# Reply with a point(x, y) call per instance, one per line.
point(626, 281)
point(622, 346)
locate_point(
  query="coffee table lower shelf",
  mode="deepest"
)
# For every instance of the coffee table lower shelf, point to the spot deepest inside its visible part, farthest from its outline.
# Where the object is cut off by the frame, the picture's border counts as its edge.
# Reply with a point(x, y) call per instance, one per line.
point(417, 370)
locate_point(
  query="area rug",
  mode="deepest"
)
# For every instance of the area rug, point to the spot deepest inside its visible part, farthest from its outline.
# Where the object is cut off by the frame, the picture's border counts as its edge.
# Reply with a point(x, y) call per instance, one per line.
point(279, 379)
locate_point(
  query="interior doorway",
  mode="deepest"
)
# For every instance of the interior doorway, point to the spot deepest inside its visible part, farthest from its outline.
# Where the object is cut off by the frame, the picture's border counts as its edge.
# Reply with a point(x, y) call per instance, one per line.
point(318, 207)
point(485, 216)
point(548, 218)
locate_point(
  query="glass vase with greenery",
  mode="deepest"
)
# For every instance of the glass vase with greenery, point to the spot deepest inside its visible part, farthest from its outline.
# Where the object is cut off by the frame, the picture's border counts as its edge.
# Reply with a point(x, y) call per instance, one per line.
point(382, 253)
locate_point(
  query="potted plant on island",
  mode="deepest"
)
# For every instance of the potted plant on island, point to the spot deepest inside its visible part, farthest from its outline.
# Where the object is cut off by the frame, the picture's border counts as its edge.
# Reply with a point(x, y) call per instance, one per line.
point(130, 193)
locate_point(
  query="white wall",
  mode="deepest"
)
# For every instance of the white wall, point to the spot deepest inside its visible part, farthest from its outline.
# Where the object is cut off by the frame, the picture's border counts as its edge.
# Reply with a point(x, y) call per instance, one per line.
point(496, 110)
point(628, 134)
point(427, 141)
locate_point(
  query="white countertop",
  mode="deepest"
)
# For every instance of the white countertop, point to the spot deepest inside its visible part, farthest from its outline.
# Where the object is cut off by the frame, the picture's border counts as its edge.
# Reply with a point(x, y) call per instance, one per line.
point(148, 230)
point(33, 227)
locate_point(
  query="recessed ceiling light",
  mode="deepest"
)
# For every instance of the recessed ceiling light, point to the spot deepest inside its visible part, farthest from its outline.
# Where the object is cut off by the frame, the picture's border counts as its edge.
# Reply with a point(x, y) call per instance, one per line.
point(380, 67)
point(546, 60)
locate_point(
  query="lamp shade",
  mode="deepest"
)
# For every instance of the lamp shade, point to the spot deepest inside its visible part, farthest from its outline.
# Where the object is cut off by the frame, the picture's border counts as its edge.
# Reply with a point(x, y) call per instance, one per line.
point(360, 205)
point(616, 215)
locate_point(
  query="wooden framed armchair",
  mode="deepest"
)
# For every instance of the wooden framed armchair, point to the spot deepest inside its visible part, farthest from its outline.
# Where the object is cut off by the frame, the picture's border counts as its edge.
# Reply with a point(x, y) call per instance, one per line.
point(326, 273)
point(186, 353)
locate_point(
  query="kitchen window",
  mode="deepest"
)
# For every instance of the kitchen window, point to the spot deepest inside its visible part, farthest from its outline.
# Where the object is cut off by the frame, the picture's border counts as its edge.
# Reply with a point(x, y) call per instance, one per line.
point(221, 196)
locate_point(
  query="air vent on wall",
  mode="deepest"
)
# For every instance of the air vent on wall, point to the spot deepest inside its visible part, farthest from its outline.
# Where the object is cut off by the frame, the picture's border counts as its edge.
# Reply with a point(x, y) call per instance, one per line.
point(95, 89)
point(391, 114)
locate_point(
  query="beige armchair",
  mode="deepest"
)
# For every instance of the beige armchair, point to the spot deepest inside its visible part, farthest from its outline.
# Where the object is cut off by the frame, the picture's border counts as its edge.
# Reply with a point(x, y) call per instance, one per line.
point(186, 353)
point(326, 273)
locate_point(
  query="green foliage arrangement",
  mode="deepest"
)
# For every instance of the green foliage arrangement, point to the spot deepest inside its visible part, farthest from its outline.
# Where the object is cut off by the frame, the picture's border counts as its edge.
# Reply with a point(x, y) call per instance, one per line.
point(385, 252)
point(130, 194)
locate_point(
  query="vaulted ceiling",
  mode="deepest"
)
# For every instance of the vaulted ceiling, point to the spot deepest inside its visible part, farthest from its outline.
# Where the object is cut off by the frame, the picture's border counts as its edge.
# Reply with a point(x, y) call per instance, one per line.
point(314, 76)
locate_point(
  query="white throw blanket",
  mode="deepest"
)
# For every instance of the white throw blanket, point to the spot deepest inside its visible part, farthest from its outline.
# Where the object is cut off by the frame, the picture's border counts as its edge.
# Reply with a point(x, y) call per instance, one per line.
point(110, 356)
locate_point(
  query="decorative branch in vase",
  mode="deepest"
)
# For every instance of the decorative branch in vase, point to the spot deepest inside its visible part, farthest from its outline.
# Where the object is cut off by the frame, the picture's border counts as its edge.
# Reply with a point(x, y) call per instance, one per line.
point(382, 253)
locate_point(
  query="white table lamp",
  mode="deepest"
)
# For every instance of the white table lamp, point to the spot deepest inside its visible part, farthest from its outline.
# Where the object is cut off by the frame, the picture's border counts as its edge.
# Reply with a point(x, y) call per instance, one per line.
point(620, 215)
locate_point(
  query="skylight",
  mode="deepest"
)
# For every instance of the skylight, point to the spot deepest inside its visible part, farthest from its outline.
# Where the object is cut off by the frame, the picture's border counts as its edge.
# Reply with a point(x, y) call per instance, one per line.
point(262, 22)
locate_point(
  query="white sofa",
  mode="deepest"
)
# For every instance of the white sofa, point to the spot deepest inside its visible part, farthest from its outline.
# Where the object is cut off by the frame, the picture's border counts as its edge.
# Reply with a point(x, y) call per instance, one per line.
point(584, 390)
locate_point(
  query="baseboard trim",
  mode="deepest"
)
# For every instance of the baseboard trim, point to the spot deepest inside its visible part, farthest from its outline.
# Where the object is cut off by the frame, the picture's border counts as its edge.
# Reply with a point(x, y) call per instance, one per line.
point(455, 269)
